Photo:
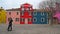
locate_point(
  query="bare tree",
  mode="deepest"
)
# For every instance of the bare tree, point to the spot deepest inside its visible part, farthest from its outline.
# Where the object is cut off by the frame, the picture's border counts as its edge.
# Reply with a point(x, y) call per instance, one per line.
point(50, 4)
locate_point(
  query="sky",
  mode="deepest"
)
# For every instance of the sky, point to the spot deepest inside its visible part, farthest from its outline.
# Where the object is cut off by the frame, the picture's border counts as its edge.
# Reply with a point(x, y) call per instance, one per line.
point(9, 4)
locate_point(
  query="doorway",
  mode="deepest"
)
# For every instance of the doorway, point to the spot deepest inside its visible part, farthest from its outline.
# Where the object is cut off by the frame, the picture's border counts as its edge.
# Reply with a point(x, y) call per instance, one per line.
point(26, 20)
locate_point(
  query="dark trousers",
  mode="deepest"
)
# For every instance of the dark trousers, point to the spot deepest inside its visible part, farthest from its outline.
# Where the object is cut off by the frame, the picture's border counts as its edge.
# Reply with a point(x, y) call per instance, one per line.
point(10, 28)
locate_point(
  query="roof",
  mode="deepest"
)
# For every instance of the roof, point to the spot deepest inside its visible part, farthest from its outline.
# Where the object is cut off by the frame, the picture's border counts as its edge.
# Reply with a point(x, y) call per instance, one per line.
point(41, 10)
point(27, 4)
point(13, 9)
point(18, 9)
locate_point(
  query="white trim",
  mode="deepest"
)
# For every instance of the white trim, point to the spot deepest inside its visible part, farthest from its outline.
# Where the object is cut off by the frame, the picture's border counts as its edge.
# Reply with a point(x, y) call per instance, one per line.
point(21, 19)
point(34, 18)
point(30, 8)
point(42, 13)
point(16, 19)
point(35, 13)
point(22, 9)
point(26, 21)
point(43, 19)
point(27, 9)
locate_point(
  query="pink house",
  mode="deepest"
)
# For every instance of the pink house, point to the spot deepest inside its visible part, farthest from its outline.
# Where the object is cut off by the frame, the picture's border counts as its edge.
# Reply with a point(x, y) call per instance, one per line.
point(14, 14)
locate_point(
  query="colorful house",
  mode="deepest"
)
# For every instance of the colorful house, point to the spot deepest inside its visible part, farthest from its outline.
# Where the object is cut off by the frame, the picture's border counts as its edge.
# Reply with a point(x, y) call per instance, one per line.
point(2, 16)
point(26, 14)
point(14, 14)
point(56, 14)
point(40, 17)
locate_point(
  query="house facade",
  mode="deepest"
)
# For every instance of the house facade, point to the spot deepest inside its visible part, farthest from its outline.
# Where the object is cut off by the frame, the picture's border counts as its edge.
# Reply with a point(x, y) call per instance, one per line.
point(2, 16)
point(40, 17)
point(26, 13)
point(14, 14)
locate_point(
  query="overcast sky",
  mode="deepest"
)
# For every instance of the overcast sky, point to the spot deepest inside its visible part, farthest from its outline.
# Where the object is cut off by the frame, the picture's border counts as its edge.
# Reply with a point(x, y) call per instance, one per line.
point(8, 4)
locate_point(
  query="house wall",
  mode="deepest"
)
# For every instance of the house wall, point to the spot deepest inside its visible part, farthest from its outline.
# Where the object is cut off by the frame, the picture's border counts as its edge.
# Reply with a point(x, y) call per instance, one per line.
point(13, 15)
point(2, 16)
point(26, 15)
point(39, 16)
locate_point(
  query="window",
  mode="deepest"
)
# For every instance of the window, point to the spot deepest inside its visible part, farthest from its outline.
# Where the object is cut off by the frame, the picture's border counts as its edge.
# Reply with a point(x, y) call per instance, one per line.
point(29, 19)
point(9, 13)
point(34, 19)
point(17, 19)
point(9, 19)
point(22, 9)
point(30, 8)
point(42, 19)
point(34, 13)
point(42, 13)
point(22, 19)
point(22, 13)
point(17, 13)
point(27, 9)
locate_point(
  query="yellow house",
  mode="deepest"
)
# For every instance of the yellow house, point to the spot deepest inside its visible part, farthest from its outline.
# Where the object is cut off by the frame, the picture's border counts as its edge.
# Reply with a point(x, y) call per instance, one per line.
point(2, 16)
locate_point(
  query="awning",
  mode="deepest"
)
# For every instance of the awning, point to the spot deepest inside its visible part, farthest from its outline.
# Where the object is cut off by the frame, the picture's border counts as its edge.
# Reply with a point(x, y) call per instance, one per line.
point(57, 15)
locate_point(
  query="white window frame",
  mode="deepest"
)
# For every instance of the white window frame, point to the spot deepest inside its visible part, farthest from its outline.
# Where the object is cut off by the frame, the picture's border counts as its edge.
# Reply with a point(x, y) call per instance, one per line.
point(23, 9)
point(43, 19)
point(34, 14)
point(34, 18)
point(30, 9)
point(17, 20)
point(42, 13)
point(27, 9)
point(21, 19)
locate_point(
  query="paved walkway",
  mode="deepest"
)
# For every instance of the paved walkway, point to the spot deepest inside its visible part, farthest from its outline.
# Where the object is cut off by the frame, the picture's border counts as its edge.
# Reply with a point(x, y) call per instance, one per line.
point(31, 29)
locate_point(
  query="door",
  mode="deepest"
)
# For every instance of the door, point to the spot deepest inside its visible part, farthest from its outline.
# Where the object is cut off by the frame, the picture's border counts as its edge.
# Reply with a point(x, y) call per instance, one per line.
point(26, 21)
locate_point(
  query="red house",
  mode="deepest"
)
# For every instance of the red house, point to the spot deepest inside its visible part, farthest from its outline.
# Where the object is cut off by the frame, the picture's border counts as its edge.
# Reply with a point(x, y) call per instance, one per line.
point(26, 14)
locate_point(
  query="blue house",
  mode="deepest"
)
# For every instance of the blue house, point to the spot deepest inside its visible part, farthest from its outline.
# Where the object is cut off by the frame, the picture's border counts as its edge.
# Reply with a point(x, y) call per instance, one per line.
point(40, 17)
